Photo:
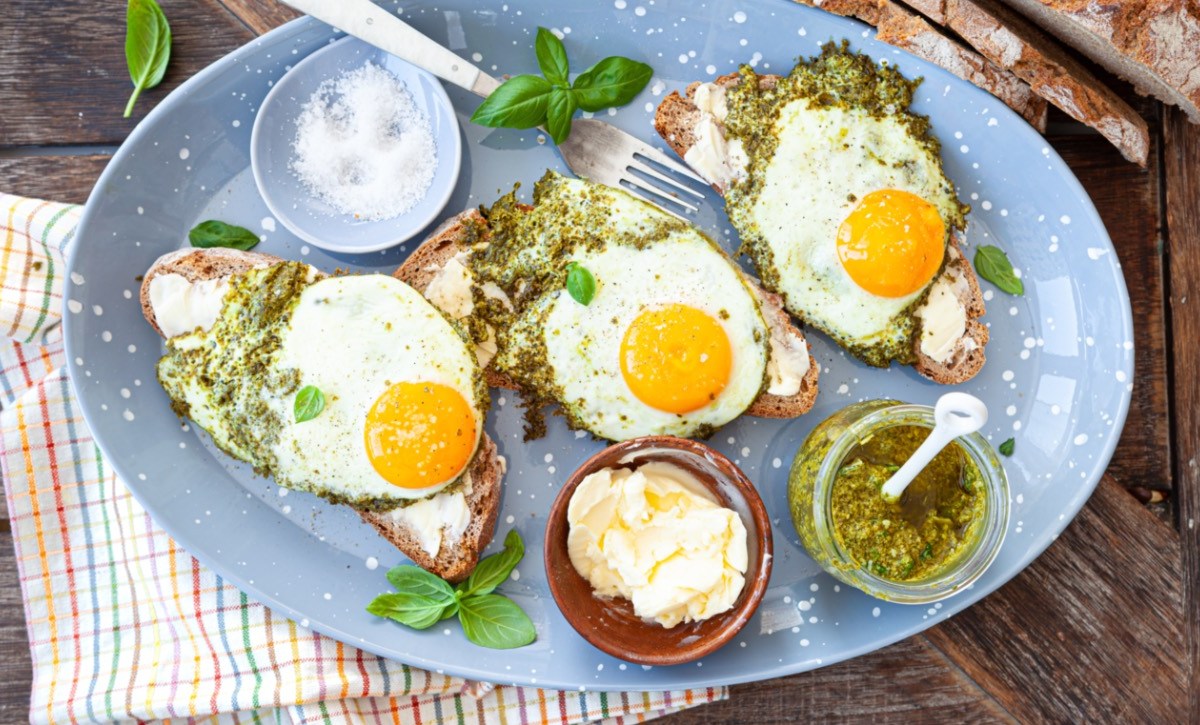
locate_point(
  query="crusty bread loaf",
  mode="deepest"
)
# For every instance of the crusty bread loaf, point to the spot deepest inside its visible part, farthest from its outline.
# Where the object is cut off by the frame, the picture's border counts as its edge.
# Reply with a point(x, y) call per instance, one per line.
point(434, 252)
point(454, 560)
point(1155, 44)
point(905, 30)
point(675, 121)
point(1013, 43)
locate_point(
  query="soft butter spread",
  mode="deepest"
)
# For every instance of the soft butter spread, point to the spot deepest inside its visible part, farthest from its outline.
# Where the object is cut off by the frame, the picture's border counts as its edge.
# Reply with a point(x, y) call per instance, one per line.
point(181, 306)
point(657, 537)
point(434, 520)
point(943, 319)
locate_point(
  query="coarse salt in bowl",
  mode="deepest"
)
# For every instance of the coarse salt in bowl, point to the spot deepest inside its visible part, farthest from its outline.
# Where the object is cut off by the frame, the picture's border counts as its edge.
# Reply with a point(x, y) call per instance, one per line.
point(355, 150)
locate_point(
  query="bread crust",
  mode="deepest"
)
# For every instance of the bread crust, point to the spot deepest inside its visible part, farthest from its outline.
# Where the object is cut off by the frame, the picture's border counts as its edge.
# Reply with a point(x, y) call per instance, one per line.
point(675, 121)
point(1013, 43)
point(453, 563)
point(446, 241)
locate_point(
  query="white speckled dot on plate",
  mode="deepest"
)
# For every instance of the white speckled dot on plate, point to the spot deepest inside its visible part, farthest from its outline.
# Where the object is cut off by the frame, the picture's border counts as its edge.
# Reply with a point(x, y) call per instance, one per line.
point(1061, 356)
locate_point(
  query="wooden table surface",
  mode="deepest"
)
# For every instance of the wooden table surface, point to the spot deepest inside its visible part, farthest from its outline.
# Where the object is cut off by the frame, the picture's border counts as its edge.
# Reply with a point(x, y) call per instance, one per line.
point(1104, 626)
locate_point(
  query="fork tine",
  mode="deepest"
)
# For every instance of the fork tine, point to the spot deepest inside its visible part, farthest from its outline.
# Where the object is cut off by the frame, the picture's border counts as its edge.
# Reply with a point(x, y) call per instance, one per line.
point(649, 170)
point(652, 195)
point(662, 159)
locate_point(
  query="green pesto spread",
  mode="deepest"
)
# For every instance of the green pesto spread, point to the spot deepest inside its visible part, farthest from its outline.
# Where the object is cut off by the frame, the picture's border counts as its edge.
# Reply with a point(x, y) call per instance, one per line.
point(932, 524)
point(836, 78)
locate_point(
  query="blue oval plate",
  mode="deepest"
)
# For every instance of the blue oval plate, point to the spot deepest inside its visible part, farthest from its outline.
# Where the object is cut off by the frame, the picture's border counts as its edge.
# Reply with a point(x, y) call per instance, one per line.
point(1058, 376)
point(274, 132)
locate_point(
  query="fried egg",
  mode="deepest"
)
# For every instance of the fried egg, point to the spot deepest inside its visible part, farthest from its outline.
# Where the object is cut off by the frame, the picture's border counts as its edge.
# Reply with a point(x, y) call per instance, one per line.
point(403, 395)
point(673, 340)
point(843, 205)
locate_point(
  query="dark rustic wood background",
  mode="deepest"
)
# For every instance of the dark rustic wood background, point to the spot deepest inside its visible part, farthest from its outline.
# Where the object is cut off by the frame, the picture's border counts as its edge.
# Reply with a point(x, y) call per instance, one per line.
point(1105, 626)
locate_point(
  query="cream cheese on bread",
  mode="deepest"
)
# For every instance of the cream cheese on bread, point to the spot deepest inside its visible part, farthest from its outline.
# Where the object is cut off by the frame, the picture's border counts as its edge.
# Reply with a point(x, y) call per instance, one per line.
point(181, 306)
point(436, 521)
point(944, 318)
point(718, 160)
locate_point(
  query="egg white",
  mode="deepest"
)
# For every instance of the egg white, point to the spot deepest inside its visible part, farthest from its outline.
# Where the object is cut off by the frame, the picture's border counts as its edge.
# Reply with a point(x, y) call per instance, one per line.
point(582, 342)
point(352, 337)
point(827, 159)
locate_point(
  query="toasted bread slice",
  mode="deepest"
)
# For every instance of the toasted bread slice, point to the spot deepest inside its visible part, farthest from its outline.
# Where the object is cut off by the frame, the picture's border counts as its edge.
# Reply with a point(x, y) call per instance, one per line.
point(455, 559)
point(676, 120)
point(445, 242)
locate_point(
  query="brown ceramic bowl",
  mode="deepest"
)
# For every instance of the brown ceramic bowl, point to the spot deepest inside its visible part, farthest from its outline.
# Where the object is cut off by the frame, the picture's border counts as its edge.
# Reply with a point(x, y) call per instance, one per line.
point(610, 624)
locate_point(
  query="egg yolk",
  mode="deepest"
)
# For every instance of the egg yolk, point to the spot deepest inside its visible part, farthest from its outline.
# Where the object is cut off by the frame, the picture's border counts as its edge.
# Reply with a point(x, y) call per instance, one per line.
point(892, 243)
point(676, 358)
point(420, 434)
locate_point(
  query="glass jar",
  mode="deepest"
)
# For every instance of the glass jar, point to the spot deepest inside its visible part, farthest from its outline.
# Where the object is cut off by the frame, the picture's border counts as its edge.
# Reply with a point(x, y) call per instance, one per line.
point(810, 488)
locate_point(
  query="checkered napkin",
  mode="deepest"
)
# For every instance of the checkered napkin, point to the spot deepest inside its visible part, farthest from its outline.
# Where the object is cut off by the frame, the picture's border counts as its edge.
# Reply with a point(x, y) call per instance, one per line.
point(125, 624)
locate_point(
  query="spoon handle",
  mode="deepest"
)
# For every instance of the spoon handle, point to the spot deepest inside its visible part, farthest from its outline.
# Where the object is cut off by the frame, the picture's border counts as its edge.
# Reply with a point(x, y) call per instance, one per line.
point(379, 27)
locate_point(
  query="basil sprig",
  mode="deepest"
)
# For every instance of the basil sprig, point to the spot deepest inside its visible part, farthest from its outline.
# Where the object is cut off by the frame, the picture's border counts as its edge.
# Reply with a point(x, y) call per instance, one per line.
point(581, 285)
point(526, 101)
point(147, 46)
point(992, 264)
point(213, 233)
point(491, 620)
point(1007, 446)
point(310, 401)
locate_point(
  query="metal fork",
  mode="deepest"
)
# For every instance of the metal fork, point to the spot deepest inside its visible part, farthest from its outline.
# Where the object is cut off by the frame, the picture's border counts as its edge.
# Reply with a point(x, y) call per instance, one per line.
point(595, 150)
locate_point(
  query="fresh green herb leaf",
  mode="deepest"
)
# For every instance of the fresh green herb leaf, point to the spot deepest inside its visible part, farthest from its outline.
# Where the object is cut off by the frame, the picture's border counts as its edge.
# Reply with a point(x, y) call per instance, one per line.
point(520, 102)
point(1007, 447)
point(613, 81)
point(558, 114)
point(493, 621)
point(552, 57)
point(992, 264)
point(581, 285)
point(213, 233)
point(415, 580)
point(493, 570)
point(490, 620)
point(310, 401)
point(147, 46)
point(927, 551)
point(407, 608)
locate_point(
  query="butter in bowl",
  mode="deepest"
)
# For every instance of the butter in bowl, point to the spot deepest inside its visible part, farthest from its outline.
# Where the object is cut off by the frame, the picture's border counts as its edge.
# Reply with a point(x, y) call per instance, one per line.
point(658, 550)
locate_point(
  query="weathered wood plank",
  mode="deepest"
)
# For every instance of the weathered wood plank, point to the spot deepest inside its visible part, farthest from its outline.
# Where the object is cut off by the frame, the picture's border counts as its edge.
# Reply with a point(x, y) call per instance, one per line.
point(1183, 235)
point(16, 668)
point(65, 81)
point(908, 681)
point(260, 15)
point(55, 178)
point(1090, 632)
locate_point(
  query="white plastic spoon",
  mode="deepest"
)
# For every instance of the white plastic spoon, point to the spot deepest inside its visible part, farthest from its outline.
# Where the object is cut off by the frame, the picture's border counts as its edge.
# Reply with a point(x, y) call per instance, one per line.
point(955, 415)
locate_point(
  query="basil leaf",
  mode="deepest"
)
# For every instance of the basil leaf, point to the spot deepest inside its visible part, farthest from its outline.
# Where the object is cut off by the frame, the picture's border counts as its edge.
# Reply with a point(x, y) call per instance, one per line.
point(551, 57)
point(213, 233)
point(1007, 447)
point(310, 401)
point(415, 580)
point(613, 81)
point(558, 114)
point(520, 102)
point(413, 610)
point(992, 264)
point(581, 285)
point(494, 621)
point(493, 570)
point(147, 46)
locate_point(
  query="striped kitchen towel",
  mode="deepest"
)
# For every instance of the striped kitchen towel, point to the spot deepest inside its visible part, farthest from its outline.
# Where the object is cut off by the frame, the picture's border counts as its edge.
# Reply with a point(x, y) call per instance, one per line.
point(123, 624)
